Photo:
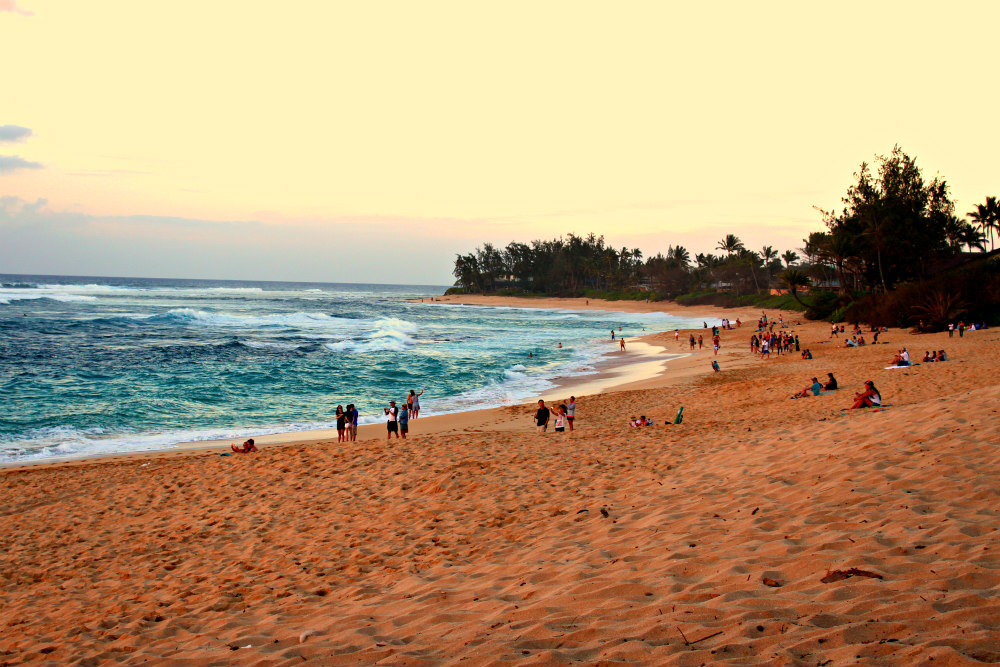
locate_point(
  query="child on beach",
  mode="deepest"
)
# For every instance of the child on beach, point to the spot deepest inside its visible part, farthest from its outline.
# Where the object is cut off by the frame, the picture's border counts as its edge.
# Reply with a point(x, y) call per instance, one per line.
point(561, 419)
point(571, 412)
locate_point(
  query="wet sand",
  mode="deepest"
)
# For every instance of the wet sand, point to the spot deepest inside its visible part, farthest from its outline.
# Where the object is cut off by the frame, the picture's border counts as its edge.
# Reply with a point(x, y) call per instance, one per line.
point(480, 542)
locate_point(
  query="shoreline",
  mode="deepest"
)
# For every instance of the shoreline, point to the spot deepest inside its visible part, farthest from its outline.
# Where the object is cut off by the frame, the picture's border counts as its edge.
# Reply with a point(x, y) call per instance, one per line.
point(645, 361)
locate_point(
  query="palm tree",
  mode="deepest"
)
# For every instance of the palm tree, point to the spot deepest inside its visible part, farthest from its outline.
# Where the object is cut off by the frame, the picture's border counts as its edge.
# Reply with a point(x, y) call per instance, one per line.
point(767, 253)
point(795, 279)
point(680, 255)
point(730, 244)
point(969, 236)
point(987, 217)
point(790, 257)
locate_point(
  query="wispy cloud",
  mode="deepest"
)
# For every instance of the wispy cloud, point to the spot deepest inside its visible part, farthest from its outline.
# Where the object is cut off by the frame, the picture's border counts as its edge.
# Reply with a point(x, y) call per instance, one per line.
point(11, 6)
point(9, 163)
point(13, 133)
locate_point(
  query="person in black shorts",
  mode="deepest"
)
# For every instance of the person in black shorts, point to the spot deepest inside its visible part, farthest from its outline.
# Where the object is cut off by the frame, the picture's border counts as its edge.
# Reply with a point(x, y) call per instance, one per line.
point(391, 423)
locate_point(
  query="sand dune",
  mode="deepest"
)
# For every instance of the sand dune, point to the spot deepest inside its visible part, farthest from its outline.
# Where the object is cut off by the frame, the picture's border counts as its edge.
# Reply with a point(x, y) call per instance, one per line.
point(698, 544)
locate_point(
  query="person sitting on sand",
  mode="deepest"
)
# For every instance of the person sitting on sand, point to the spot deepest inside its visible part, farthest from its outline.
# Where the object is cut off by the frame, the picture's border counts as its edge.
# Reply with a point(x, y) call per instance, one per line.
point(812, 390)
point(831, 384)
point(941, 356)
point(715, 366)
point(928, 358)
point(869, 398)
point(806, 354)
point(247, 447)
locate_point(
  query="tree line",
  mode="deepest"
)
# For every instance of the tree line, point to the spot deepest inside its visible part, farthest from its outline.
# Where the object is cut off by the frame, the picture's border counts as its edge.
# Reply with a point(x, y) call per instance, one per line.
point(894, 227)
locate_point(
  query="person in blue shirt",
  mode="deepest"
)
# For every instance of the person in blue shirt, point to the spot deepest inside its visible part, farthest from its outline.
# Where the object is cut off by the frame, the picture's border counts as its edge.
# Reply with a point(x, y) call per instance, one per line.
point(404, 420)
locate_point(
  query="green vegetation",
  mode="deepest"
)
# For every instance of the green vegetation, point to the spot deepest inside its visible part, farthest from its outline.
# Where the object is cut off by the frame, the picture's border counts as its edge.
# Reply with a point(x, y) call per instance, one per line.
point(895, 254)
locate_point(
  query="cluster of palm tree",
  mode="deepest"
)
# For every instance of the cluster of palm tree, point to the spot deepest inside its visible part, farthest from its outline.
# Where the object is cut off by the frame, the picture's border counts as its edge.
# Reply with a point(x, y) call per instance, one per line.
point(561, 266)
point(987, 218)
point(894, 228)
point(572, 265)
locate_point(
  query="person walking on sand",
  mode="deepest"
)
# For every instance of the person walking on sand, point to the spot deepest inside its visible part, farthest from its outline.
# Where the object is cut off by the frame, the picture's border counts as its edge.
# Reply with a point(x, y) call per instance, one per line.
point(700, 342)
point(621, 341)
point(541, 417)
point(571, 412)
point(691, 341)
point(391, 422)
point(413, 400)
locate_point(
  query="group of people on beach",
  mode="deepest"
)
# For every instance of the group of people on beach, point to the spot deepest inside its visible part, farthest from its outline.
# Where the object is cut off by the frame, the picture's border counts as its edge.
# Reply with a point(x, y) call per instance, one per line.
point(766, 342)
point(397, 423)
point(565, 415)
point(347, 423)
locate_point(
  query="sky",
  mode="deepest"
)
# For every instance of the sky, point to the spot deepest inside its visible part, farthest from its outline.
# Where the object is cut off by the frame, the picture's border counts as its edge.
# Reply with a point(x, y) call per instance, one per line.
point(372, 141)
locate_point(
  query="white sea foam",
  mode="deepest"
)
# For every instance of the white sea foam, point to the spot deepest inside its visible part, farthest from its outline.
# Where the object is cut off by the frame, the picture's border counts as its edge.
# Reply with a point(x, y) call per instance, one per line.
point(191, 316)
point(8, 296)
point(67, 442)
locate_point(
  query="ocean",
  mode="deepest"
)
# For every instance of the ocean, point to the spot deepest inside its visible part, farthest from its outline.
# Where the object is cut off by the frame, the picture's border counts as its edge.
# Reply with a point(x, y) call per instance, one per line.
point(110, 365)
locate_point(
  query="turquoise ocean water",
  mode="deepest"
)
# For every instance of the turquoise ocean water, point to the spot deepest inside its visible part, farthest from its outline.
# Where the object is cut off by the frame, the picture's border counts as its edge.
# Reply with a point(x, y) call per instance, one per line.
point(106, 365)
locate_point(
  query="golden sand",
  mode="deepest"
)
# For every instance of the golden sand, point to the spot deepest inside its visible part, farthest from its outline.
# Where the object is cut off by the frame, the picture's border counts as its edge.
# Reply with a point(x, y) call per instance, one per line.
point(479, 542)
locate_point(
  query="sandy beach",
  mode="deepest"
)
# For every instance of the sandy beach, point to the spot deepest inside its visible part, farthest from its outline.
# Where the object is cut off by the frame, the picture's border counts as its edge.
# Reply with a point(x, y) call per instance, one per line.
point(761, 530)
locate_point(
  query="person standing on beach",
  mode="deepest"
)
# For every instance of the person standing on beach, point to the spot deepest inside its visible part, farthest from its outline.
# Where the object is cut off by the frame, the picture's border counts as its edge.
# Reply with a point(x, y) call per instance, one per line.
point(700, 342)
point(404, 421)
point(541, 417)
point(612, 334)
point(691, 341)
point(622, 342)
point(352, 422)
point(391, 423)
point(561, 419)
point(413, 400)
point(571, 412)
point(341, 424)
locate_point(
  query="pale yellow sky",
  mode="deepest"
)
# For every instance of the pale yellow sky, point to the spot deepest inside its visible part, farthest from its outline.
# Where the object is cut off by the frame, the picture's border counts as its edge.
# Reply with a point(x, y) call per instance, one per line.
point(435, 126)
